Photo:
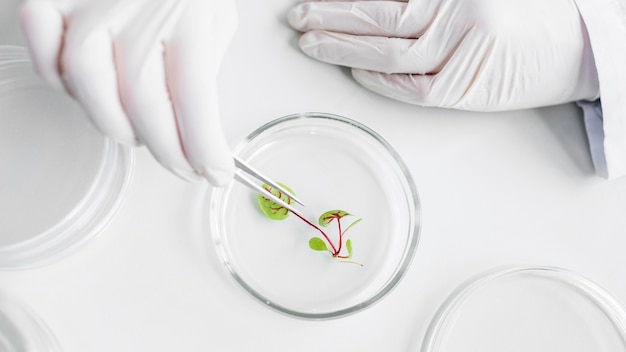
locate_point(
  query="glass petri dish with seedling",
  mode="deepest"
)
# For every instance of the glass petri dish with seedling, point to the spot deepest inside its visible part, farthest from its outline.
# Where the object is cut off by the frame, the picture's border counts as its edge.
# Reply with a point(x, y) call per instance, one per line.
point(359, 227)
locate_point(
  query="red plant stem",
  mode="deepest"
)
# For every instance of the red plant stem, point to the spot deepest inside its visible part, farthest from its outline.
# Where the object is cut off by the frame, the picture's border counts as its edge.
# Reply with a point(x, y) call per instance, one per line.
point(335, 251)
point(340, 234)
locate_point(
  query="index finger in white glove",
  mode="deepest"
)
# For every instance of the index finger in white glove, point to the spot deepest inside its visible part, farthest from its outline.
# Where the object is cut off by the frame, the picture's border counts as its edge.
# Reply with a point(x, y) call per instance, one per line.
point(192, 62)
point(376, 18)
point(389, 55)
point(385, 36)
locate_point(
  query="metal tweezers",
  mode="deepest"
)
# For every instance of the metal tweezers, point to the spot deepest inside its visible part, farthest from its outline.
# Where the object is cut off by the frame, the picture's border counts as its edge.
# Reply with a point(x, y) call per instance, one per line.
point(246, 174)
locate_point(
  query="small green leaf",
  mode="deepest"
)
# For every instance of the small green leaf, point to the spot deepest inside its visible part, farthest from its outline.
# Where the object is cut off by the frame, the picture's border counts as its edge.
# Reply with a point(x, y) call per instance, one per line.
point(272, 209)
point(349, 248)
point(329, 216)
point(349, 226)
point(318, 244)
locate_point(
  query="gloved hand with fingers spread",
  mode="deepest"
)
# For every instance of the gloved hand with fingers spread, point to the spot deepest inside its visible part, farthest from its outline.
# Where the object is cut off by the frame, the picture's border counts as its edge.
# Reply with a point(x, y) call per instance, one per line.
point(482, 55)
point(145, 71)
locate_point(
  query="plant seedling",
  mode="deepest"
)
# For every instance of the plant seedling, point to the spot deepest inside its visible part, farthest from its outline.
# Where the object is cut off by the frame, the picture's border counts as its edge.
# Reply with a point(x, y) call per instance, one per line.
point(275, 211)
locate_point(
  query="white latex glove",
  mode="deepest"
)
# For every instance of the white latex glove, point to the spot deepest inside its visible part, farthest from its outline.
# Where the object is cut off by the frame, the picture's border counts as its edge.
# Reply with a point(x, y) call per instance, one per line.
point(145, 70)
point(483, 55)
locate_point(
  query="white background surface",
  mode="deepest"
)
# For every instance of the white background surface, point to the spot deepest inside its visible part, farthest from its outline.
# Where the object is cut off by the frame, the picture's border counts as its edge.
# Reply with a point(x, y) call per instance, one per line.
point(496, 189)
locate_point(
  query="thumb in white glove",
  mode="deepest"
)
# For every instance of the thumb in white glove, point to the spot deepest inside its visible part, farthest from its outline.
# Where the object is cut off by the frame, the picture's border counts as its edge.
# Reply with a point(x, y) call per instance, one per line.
point(145, 71)
point(482, 55)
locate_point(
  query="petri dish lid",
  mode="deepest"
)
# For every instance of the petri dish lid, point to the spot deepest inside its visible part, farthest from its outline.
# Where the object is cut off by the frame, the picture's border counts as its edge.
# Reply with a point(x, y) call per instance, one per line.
point(528, 309)
point(330, 162)
point(61, 181)
point(21, 330)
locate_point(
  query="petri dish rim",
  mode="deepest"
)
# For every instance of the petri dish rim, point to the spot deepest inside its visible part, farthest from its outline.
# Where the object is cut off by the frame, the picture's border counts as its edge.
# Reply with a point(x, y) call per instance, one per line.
point(31, 328)
point(444, 318)
point(409, 250)
point(94, 210)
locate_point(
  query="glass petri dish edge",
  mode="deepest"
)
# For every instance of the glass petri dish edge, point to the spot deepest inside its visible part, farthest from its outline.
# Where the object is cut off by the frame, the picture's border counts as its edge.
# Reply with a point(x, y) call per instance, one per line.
point(608, 304)
point(409, 250)
point(95, 209)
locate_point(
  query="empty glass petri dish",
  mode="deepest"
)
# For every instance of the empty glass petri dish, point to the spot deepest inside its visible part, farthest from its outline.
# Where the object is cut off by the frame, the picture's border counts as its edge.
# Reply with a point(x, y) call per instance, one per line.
point(21, 330)
point(331, 163)
point(528, 309)
point(61, 181)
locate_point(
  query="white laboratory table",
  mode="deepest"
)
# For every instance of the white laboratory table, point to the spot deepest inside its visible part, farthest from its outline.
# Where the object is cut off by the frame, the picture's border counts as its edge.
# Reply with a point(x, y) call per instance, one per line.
point(496, 189)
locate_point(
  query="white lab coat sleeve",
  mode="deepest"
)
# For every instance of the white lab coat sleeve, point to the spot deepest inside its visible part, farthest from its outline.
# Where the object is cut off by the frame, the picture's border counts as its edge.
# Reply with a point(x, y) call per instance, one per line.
point(592, 111)
point(606, 124)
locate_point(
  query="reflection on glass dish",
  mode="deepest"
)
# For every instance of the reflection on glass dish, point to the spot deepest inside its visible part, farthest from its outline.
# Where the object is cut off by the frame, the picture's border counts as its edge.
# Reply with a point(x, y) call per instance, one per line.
point(61, 180)
point(538, 309)
point(330, 162)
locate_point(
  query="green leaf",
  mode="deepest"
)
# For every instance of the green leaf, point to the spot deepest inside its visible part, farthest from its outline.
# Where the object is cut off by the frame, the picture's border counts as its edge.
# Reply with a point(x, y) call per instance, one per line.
point(318, 244)
point(272, 209)
point(329, 216)
point(349, 248)
point(354, 223)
